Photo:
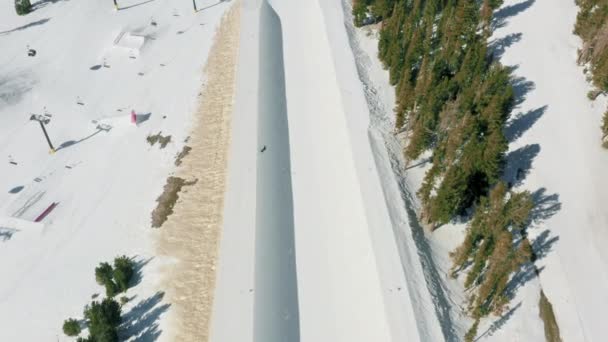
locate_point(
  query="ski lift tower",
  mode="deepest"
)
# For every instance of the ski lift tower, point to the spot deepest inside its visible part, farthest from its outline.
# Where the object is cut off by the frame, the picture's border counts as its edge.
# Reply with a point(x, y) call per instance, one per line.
point(44, 120)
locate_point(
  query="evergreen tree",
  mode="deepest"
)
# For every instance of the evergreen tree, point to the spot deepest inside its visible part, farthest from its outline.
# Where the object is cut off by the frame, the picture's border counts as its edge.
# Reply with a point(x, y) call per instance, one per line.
point(592, 28)
point(103, 273)
point(451, 97)
point(103, 320)
point(71, 327)
point(493, 249)
point(360, 11)
point(454, 99)
point(23, 7)
point(123, 272)
point(470, 335)
point(117, 279)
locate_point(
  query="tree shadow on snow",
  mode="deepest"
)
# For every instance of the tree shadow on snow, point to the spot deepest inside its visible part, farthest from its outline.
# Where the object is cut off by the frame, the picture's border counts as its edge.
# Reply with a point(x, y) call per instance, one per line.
point(6, 233)
point(521, 88)
point(519, 124)
point(501, 15)
point(519, 164)
point(138, 274)
point(526, 273)
point(499, 323)
point(545, 206)
point(43, 3)
point(141, 322)
point(500, 45)
point(26, 26)
point(543, 244)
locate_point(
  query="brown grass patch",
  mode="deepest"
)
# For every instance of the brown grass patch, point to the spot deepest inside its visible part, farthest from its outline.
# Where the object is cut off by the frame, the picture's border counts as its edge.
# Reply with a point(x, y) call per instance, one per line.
point(158, 138)
point(182, 154)
point(548, 317)
point(166, 201)
point(191, 236)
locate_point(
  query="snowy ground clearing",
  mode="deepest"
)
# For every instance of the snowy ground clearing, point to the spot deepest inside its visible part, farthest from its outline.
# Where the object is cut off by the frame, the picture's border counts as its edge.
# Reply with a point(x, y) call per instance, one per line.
point(555, 140)
point(93, 65)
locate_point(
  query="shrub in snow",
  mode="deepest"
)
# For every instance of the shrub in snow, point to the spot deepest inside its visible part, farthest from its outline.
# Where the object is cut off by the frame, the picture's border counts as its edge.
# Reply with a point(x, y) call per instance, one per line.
point(71, 327)
point(123, 272)
point(103, 320)
point(104, 276)
point(116, 279)
point(605, 130)
point(103, 273)
point(23, 7)
point(360, 11)
point(470, 335)
point(491, 253)
point(111, 289)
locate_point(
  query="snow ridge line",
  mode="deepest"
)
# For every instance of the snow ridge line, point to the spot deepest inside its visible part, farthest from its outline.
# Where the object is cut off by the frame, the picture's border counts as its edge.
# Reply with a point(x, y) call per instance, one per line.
point(380, 133)
point(192, 234)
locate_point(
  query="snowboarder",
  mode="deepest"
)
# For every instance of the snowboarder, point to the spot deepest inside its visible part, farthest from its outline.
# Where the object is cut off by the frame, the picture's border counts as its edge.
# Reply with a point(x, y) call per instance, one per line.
point(263, 149)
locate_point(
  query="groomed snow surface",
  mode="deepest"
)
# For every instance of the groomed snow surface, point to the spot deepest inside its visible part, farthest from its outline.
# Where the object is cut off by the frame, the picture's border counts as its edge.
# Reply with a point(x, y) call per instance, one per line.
point(320, 241)
point(308, 250)
point(93, 66)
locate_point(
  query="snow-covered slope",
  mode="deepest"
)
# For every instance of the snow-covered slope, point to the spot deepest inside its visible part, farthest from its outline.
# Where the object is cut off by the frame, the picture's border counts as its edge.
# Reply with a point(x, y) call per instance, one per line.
point(317, 243)
point(146, 57)
point(351, 284)
point(555, 144)
point(555, 140)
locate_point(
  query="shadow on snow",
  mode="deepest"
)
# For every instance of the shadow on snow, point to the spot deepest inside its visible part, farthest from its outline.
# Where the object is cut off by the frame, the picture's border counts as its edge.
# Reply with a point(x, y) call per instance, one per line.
point(502, 14)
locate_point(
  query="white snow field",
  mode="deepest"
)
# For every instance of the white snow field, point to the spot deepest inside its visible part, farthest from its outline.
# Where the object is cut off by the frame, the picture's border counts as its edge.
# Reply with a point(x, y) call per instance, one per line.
point(320, 240)
point(93, 66)
point(555, 140)
point(309, 252)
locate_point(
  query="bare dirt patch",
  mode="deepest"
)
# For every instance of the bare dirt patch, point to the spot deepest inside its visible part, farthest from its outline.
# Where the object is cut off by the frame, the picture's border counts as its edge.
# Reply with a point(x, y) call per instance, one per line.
point(191, 235)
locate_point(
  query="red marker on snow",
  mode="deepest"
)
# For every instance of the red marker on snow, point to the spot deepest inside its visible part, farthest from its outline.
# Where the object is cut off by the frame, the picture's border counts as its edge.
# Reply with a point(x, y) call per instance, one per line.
point(46, 212)
point(133, 117)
